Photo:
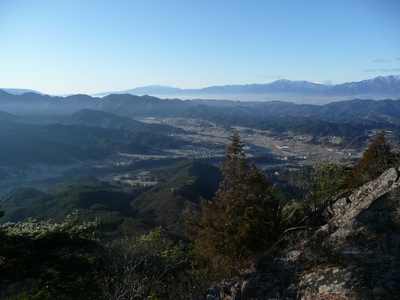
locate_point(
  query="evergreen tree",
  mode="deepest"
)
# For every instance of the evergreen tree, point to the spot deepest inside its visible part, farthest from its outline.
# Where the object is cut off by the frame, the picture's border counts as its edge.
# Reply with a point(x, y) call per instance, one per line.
point(379, 157)
point(242, 220)
point(322, 184)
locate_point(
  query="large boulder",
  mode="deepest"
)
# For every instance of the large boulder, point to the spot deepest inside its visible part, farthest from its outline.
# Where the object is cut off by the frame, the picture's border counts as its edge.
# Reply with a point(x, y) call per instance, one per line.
point(369, 216)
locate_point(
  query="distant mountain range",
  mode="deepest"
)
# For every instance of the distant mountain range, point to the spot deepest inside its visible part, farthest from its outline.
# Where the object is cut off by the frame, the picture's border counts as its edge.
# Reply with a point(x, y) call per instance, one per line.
point(296, 91)
point(28, 107)
point(21, 91)
point(378, 88)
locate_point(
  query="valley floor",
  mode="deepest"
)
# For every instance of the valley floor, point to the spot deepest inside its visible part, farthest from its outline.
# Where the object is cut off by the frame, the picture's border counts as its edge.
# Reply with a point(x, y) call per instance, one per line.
point(208, 142)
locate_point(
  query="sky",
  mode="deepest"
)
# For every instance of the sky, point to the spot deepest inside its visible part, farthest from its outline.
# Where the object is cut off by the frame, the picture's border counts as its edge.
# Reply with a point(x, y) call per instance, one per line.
point(69, 47)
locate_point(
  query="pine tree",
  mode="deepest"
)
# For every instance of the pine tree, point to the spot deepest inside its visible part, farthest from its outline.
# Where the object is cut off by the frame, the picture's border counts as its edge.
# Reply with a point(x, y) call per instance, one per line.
point(241, 222)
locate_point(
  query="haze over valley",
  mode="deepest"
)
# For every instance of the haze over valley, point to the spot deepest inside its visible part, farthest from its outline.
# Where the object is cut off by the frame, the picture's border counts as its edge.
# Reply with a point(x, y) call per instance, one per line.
point(46, 139)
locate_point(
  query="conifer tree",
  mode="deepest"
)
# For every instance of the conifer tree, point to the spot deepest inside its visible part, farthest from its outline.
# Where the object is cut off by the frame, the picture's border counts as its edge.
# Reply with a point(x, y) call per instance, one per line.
point(242, 221)
point(379, 157)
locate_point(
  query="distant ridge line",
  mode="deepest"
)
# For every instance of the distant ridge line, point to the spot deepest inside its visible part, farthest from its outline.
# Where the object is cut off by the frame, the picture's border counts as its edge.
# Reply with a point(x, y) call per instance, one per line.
point(378, 87)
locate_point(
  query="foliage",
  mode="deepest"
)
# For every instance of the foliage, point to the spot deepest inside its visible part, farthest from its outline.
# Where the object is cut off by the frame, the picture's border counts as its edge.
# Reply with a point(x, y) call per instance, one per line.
point(189, 175)
point(242, 221)
point(310, 189)
point(24, 197)
point(93, 198)
point(379, 157)
point(177, 193)
point(165, 204)
point(151, 266)
point(50, 260)
point(329, 181)
point(325, 182)
point(318, 185)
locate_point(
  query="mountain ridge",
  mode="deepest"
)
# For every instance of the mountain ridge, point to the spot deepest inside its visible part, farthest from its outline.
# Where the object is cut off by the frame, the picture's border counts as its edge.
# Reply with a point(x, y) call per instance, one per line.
point(299, 91)
point(381, 86)
point(24, 108)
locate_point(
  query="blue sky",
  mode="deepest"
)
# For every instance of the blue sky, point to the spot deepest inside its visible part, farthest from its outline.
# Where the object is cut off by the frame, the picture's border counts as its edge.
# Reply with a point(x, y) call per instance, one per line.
point(68, 47)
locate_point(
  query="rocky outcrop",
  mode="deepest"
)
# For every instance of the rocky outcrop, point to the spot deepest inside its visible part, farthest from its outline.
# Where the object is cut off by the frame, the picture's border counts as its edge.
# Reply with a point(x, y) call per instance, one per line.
point(356, 255)
point(370, 213)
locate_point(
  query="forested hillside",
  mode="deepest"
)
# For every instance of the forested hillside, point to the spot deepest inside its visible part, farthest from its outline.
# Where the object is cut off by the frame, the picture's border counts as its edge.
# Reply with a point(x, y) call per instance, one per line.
point(121, 208)
point(234, 219)
point(58, 144)
point(108, 120)
point(346, 118)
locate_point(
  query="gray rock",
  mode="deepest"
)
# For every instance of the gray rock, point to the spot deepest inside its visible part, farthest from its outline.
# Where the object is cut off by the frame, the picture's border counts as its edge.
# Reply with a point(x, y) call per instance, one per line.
point(356, 255)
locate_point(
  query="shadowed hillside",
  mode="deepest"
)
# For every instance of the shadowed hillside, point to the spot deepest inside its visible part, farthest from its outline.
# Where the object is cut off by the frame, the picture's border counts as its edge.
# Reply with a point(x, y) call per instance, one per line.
point(167, 203)
point(178, 193)
point(93, 198)
point(108, 120)
point(59, 144)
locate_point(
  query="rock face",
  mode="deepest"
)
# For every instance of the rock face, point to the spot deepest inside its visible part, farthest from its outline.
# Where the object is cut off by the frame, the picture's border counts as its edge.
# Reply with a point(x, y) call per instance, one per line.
point(372, 212)
point(356, 255)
